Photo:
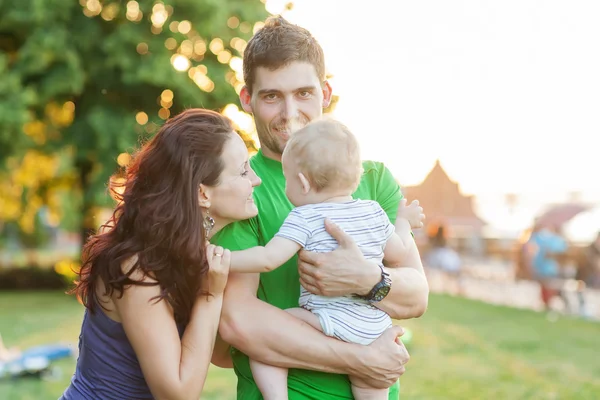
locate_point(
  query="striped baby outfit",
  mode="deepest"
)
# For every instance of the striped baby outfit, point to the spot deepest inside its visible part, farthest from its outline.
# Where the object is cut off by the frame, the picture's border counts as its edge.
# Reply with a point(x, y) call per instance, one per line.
point(346, 318)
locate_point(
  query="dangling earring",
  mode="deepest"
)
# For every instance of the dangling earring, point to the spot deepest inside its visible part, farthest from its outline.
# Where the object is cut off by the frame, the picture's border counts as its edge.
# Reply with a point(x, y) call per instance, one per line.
point(209, 223)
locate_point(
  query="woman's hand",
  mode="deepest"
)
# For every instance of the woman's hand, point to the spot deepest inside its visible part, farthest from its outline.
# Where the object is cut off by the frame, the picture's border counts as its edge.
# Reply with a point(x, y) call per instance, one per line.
point(218, 269)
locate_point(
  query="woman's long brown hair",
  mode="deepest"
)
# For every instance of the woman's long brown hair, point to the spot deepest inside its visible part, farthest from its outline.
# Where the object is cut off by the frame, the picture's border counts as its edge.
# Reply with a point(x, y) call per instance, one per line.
point(158, 217)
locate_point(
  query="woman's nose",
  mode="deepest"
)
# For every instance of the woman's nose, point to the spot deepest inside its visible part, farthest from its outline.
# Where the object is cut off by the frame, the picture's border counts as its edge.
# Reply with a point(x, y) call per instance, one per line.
point(255, 180)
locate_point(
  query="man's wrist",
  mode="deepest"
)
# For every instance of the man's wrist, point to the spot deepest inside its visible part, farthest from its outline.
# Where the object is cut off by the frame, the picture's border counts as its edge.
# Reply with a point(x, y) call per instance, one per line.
point(371, 279)
point(354, 357)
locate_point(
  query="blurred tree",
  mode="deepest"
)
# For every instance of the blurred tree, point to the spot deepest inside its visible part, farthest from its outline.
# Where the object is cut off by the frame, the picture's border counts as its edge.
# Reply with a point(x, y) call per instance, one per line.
point(82, 82)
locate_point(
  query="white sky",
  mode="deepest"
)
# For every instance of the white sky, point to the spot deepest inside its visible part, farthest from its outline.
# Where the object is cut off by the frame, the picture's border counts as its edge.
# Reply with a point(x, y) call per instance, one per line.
point(506, 93)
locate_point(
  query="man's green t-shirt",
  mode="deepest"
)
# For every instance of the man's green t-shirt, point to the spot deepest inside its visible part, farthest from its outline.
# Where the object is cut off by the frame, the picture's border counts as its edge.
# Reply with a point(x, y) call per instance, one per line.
point(281, 287)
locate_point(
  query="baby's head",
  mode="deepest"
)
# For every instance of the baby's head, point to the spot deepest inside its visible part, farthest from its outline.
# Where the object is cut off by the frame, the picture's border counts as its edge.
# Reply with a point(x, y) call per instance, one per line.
point(321, 161)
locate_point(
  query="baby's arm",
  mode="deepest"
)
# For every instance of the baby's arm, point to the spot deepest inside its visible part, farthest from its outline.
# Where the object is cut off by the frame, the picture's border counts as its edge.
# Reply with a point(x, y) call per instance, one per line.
point(396, 247)
point(264, 258)
point(401, 241)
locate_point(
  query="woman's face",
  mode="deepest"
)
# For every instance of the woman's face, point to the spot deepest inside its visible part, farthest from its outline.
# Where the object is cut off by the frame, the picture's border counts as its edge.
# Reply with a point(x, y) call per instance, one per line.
point(231, 200)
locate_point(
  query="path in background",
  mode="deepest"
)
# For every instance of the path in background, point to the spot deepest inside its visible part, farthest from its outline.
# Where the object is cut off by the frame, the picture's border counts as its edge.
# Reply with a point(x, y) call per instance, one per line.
point(493, 282)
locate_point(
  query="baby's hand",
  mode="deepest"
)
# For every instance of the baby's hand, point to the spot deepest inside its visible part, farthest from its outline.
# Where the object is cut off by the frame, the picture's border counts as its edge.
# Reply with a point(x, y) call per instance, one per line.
point(413, 213)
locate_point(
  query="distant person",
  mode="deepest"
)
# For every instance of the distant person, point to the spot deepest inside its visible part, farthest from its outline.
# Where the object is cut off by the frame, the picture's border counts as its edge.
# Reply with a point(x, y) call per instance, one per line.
point(593, 263)
point(588, 272)
point(444, 258)
point(524, 256)
point(8, 353)
point(549, 245)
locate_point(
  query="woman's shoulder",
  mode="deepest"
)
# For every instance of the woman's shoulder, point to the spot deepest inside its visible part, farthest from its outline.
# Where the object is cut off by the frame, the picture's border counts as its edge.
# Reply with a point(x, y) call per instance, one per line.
point(132, 268)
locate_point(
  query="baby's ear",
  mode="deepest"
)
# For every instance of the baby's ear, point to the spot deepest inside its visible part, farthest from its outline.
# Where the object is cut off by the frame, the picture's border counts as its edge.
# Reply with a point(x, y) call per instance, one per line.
point(305, 183)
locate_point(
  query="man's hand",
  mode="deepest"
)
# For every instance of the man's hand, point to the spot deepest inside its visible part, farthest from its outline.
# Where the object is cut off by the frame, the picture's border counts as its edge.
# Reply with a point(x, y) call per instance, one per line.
point(341, 272)
point(384, 360)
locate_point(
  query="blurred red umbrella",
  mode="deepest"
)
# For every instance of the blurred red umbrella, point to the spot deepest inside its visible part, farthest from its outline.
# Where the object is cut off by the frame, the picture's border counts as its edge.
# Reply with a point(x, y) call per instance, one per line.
point(560, 214)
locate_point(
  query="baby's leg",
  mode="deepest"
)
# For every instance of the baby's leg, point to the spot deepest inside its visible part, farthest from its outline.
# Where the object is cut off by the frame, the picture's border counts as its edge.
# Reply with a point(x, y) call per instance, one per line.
point(306, 316)
point(354, 329)
point(362, 391)
point(272, 381)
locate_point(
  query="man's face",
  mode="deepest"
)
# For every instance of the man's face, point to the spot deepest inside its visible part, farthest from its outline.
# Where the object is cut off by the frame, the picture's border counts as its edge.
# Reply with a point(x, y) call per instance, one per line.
point(283, 101)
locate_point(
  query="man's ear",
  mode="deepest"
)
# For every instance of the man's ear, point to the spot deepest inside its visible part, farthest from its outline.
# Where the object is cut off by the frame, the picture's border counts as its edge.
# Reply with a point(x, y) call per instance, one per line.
point(204, 194)
point(245, 98)
point(327, 92)
point(305, 183)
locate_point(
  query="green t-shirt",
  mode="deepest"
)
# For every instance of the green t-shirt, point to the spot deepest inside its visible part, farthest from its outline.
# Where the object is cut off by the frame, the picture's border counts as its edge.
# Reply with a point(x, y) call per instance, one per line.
point(281, 287)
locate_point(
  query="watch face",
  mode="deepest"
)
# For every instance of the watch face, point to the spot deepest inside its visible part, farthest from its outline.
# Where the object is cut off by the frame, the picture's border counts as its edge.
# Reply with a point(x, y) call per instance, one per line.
point(381, 293)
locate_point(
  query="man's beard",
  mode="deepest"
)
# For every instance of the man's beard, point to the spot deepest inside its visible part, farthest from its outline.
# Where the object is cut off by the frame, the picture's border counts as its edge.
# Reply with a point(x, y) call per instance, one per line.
point(270, 139)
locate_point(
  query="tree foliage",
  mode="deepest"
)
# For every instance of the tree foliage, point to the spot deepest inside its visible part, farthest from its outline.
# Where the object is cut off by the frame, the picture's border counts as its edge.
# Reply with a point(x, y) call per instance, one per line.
point(82, 83)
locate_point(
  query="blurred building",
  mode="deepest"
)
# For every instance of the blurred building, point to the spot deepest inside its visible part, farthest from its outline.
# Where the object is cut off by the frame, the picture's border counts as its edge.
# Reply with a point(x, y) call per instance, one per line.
point(444, 204)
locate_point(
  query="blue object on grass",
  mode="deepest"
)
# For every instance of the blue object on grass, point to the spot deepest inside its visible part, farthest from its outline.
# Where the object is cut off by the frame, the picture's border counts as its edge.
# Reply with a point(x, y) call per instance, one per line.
point(34, 360)
point(51, 352)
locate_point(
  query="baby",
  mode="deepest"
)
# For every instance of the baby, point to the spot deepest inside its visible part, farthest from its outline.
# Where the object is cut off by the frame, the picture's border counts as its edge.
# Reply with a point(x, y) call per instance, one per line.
point(322, 168)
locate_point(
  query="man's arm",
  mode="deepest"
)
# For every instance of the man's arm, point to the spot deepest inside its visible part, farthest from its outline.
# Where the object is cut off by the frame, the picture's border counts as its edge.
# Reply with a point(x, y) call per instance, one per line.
point(409, 295)
point(410, 291)
point(272, 336)
point(221, 357)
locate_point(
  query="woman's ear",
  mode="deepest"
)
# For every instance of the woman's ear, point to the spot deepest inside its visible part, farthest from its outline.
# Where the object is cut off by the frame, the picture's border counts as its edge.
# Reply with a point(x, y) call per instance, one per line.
point(305, 183)
point(204, 194)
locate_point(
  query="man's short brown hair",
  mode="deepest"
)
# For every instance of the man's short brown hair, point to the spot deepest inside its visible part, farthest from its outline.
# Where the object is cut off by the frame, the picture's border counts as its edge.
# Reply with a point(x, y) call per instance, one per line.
point(279, 43)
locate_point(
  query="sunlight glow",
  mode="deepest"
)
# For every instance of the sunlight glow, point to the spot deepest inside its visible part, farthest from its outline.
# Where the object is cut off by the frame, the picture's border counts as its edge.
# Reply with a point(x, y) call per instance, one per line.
point(180, 62)
point(505, 98)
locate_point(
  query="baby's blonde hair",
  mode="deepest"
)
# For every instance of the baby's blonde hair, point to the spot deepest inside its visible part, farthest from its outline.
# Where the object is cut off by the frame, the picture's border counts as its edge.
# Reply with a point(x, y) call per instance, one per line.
point(328, 155)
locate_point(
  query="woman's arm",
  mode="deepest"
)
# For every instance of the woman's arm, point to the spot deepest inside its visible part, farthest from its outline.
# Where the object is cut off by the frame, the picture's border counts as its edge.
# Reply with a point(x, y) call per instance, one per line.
point(174, 368)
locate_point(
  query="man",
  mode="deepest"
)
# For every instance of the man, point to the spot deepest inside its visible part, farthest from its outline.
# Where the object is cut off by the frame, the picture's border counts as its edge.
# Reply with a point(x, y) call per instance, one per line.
point(284, 73)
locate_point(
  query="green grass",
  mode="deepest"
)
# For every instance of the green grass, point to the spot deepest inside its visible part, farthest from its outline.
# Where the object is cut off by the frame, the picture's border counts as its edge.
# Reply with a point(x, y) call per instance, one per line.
point(470, 350)
point(461, 349)
point(29, 319)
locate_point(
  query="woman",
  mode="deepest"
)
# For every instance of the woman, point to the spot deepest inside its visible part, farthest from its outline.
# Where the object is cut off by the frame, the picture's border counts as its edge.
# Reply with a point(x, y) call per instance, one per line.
point(588, 273)
point(152, 287)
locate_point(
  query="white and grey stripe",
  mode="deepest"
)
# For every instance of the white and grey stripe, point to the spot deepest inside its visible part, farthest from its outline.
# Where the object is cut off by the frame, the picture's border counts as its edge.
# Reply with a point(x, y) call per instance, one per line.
point(347, 318)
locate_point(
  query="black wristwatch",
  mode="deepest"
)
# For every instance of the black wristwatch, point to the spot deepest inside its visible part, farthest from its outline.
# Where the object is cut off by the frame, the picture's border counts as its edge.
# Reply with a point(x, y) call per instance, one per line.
point(381, 289)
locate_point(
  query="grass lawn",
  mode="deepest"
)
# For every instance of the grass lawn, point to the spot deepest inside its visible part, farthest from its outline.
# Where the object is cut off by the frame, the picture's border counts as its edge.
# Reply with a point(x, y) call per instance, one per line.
point(461, 349)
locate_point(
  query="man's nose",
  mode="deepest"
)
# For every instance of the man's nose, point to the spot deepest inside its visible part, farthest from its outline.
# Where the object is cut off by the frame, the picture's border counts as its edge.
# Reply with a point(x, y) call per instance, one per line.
point(291, 109)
